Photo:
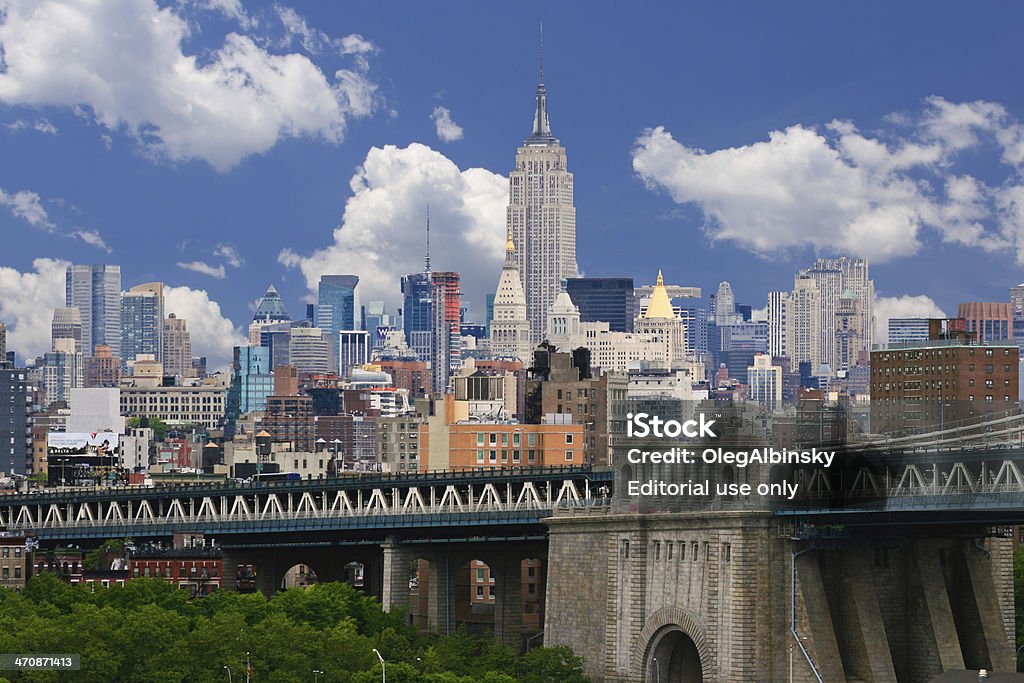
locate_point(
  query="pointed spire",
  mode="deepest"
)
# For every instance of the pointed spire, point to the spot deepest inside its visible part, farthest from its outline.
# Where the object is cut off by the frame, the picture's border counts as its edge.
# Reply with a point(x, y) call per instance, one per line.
point(541, 126)
point(661, 280)
point(541, 81)
point(426, 257)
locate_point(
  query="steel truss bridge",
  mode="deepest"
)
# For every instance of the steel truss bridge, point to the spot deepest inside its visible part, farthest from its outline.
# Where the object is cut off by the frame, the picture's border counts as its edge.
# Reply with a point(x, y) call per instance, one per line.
point(484, 499)
point(970, 472)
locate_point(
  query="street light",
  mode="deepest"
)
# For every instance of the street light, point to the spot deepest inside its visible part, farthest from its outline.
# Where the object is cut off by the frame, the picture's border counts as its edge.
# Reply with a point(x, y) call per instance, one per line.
point(316, 675)
point(228, 669)
point(383, 667)
point(656, 667)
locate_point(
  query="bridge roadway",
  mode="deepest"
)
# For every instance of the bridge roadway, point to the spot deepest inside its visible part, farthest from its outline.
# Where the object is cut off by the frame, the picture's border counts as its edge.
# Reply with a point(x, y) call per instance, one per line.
point(368, 508)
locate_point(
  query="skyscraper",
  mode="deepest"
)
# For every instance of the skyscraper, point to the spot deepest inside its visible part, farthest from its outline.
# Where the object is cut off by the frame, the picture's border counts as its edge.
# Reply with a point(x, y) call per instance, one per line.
point(142, 321)
point(804, 322)
point(15, 424)
point(252, 380)
point(725, 305)
point(270, 310)
point(510, 329)
point(66, 324)
point(604, 299)
point(446, 334)
point(96, 292)
point(541, 216)
point(778, 324)
point(177, 347)
point(338, 304)
point(417, 313)
point(3, 342)
point(309, 350)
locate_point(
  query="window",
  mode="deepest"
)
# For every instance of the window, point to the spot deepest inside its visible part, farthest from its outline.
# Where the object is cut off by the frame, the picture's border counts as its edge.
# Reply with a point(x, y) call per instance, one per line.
point(515, 439)
point(531, 439)
point(624, 549)
point(479, 575)
point(682, 550)
point(493, 456)
point(17, 572)
point(479, 455)
point(727, 552)
point(504, 439)
point(568, 438)
point(480, 592)
point(668, 550)
point(6, 552)
point(657, 550)
point(480, 439)
point(568, 456)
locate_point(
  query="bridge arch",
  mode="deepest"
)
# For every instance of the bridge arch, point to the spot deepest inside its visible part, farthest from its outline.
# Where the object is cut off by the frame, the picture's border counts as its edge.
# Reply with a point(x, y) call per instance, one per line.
point(676, 639)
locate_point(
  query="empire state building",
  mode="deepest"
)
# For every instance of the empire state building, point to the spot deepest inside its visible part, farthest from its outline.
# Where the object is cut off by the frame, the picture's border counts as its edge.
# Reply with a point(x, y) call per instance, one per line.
point(541, 216)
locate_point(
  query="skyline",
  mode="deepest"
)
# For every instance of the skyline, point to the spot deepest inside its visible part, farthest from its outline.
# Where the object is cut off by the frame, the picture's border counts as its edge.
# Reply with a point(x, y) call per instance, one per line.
point(387, 141)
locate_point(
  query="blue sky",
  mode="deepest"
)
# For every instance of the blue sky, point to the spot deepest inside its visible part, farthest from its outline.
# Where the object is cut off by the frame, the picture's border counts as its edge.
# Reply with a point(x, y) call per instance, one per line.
point(714, 141)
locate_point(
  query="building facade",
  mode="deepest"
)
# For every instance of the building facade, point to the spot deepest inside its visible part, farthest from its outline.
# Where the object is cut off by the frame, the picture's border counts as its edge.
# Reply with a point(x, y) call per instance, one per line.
point(604, 299)
point(541, 216)
point(142, 321)
point(201, 405)
point(96, 292)
point(509, 328)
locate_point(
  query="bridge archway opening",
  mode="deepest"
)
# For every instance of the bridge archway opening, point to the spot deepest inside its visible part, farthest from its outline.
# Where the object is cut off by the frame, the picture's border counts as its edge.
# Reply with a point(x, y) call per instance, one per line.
point(298, 576)
point(533, 572)
point(672, 657)
point(475, 597)
point(355, 574)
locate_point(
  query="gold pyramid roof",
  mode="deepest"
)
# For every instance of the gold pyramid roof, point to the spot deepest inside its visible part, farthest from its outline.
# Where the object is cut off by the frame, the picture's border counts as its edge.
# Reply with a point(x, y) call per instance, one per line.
point(659, 305)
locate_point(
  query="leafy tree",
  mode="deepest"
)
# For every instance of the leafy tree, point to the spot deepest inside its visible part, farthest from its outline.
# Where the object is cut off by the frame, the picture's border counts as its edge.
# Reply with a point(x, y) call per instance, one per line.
point(149, 630)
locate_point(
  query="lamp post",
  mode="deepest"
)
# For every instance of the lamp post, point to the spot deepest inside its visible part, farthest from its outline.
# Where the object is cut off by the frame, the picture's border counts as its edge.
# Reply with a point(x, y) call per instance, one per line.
point(248, 669)
point(383, 667)
point(656, 668)
point(316, 675)
point(228, 669)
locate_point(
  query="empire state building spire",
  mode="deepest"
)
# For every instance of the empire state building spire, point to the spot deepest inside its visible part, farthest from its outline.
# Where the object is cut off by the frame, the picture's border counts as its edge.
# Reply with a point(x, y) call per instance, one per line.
point(541, 126)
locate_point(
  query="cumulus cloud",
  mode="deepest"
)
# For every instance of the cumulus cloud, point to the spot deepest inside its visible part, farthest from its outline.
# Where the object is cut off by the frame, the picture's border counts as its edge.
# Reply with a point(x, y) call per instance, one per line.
point(237, 100)
point(27, 301)
point(837, 189)
point(447, 130)
point(381, 233)
point(906, 306)
point(204, 268)
point(213, 334)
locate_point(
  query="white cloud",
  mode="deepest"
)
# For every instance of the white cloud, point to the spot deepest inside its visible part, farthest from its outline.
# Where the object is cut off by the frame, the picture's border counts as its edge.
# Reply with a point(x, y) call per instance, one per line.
point(92, 237)
point(232, 9)
point(204, 268)
point(229, 254)
point(837, 189)
point(28, 206)
point(236, 101)
point(213, 334)
point(906, 306)
point(381, 234)
point(316, 41)
point(27, 301)
point(39, 125)
point(447, 130)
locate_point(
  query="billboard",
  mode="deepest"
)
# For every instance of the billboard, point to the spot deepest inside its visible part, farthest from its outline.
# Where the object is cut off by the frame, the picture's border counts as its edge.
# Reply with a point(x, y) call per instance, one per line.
point(77, 458)
point(95, 444)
